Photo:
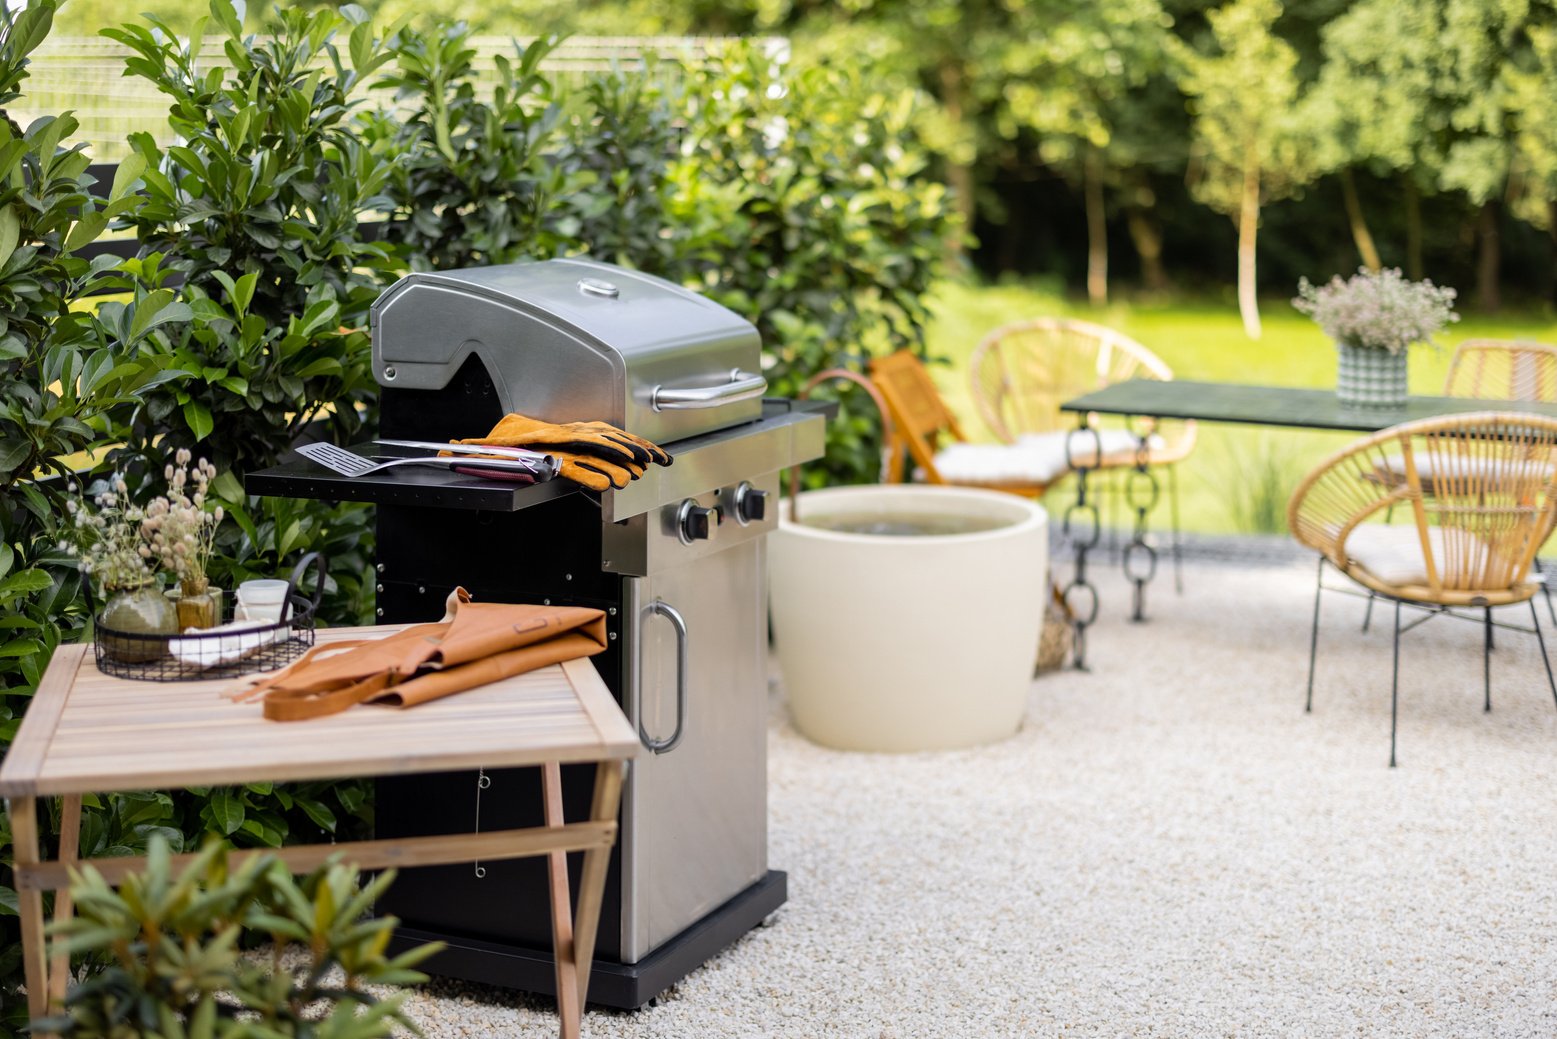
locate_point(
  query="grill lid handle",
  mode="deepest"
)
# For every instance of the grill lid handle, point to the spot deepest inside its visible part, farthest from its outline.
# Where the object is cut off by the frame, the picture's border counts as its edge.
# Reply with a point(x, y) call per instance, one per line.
point(742, 386)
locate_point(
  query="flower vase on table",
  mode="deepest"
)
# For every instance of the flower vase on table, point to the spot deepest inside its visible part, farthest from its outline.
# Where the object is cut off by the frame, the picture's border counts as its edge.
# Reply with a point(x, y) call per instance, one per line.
point(141, 610)
point(1371, 377)
point(199, 605)
point(1374, 317)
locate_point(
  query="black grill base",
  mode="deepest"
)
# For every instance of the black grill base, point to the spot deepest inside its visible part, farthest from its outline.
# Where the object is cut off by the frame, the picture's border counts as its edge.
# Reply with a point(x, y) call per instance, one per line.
point(624, 986)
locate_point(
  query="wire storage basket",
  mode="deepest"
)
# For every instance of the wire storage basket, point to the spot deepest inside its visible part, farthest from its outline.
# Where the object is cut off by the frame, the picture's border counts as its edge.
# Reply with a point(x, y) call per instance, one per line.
point(238, 648)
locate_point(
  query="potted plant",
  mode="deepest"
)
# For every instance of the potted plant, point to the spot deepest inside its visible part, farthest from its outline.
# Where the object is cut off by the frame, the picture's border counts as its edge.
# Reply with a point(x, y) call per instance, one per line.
point(166, 958)
point(1373, 316)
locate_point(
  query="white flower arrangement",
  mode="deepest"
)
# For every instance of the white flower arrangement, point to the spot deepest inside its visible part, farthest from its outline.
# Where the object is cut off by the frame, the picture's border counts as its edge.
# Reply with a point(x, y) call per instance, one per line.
point(122, 545)
point(108, 541)
point(1378, 309)
point(178, 528)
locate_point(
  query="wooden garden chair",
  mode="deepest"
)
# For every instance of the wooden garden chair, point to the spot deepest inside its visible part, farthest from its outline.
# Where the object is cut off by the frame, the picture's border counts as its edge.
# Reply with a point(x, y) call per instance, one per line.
point(1022, 372)
point(933, 439)
point(1472, 540)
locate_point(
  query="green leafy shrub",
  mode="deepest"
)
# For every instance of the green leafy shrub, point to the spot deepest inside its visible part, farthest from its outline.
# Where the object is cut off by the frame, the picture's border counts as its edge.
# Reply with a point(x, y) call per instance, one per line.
point(260, 210)
point(472, 185)
point(174, 968)
point(67, 390)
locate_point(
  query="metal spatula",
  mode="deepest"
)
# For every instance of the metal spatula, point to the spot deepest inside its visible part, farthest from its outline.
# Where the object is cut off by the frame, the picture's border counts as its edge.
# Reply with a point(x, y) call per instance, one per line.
point(348, 464)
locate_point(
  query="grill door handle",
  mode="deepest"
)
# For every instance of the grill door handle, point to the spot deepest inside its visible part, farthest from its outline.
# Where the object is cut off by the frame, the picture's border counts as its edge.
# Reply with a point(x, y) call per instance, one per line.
point(669, 612)
point(742, 386)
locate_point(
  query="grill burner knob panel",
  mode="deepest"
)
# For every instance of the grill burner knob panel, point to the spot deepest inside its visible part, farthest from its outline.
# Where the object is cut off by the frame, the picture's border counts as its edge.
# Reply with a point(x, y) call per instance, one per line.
point(696, 523)
point(751, 505)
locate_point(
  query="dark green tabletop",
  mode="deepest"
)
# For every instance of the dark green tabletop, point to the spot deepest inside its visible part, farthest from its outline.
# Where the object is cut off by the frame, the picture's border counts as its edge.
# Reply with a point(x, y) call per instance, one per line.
point(1275, 405)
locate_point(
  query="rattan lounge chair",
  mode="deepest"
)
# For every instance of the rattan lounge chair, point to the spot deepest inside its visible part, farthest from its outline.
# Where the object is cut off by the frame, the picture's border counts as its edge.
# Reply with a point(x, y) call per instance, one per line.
point(1022, 372)
point(1472, 540)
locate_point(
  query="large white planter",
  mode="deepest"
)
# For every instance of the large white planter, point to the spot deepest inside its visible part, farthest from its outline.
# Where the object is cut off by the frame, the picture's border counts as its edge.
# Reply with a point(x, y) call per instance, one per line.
point(894, 643)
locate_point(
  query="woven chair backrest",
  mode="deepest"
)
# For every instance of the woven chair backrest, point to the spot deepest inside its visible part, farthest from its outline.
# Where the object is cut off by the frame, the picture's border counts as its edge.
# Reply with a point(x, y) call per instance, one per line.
point(1024, 371)
point(1482, 489)
point(1503, 369)
point(919, 416)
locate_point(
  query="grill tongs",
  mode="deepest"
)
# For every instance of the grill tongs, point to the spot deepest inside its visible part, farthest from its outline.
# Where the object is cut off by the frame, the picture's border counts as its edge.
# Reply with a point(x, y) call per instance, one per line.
point(498, 461)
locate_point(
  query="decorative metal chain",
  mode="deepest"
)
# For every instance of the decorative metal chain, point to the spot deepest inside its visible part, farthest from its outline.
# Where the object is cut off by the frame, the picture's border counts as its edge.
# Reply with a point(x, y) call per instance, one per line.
point(1082, 508)
point(482, 782)
point(1142, 493)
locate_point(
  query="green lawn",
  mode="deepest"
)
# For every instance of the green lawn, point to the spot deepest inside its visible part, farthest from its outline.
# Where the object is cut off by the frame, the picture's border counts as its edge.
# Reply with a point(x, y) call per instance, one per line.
point(1220, 483)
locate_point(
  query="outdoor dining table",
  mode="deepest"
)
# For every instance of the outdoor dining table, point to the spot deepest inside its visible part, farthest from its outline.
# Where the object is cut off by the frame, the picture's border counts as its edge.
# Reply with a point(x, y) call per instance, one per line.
point(1236, 403)
point(89, 733)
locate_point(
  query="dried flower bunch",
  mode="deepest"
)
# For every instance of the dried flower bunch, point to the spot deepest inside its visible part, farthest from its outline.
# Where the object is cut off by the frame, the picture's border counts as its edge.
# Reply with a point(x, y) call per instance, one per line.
point(109, 541)
point(1378, 309)
point(178, 528)
point(122, 545)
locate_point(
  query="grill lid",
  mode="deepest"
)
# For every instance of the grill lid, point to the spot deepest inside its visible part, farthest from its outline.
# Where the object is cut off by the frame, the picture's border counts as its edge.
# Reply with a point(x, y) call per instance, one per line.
point(571, 340)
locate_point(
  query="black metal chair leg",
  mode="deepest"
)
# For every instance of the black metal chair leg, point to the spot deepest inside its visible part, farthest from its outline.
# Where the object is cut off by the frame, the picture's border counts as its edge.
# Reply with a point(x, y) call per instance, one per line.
point(1540, 639)
point(1394, 689)
point(1313, 638)
point(1486, 659)
point(1546, 592)
point(1367, 614)
point(1178, 544)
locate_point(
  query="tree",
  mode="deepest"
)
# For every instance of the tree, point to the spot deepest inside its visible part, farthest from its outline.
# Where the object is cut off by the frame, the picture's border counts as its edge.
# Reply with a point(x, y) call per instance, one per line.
point(1075, 85)
point(1531, 107)
point(1248, 147)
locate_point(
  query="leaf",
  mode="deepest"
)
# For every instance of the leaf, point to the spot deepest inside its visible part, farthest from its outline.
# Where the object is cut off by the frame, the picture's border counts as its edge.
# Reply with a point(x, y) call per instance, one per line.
point(24, 582)
point(198, 416)
point(10, 229)
point(225, 15)
point(86, 230)
point(225, 810)
point(319, 813)
point(129, 171)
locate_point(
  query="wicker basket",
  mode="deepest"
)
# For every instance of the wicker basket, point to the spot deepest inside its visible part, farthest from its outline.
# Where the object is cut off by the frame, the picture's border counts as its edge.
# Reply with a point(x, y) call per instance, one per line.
point(1059, 633)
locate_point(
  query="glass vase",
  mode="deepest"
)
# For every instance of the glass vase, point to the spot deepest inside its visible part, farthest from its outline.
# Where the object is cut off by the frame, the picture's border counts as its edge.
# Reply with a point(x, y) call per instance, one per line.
point(199, 605)
point(141, 610)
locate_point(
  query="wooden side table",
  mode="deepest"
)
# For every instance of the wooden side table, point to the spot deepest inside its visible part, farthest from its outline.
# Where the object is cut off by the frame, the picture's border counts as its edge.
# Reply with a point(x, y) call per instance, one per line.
point(86, 732)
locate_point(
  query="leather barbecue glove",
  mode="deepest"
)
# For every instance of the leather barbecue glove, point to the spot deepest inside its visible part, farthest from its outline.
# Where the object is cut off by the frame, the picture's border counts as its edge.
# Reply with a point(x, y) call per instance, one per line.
point(599, 439)
point(593, 472)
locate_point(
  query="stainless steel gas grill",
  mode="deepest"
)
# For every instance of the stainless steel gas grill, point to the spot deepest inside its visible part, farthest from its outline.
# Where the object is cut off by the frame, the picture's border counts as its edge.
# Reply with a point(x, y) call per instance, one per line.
point(677, 560)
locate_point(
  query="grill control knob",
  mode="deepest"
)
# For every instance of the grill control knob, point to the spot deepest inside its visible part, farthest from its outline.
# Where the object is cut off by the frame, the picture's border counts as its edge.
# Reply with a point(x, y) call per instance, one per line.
point(695, 523)
point(751, 505)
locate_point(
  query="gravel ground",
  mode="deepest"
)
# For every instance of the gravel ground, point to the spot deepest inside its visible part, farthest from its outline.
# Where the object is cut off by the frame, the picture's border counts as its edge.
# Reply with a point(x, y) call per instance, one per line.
point(1169, 847)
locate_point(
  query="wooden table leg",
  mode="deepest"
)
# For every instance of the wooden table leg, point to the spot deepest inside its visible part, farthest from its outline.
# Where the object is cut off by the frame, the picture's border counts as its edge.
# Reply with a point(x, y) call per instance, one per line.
point(569, 1010)
point(591, 884)
point(23, 812)
point(69, 848)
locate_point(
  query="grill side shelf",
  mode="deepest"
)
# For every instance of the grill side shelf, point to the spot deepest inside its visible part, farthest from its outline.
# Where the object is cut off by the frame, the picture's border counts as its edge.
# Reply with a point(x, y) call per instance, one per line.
point(406, 485)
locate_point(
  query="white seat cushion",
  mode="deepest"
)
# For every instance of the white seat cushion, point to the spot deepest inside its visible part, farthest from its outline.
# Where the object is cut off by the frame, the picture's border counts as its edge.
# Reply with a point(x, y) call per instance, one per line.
point(1393, 554)
point(1037, 458)
point(994, 464)
point(1464, 468)
point(1118, 445)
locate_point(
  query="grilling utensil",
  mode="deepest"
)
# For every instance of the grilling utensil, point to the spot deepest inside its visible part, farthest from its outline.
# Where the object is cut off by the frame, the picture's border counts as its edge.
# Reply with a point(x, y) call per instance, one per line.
point(537, 466)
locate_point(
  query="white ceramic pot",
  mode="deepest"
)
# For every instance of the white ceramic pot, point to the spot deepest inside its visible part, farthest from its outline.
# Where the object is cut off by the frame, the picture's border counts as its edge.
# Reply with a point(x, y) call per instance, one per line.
point(905, 643)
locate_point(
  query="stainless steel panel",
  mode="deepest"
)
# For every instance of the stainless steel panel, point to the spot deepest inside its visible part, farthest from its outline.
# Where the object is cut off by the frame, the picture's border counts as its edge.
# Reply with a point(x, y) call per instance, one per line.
point(647, 543)
point(568, 340)
point(720, 459)
point(695, 824)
